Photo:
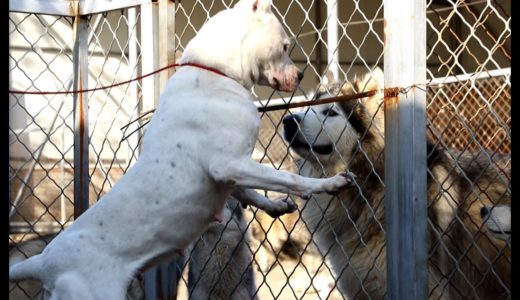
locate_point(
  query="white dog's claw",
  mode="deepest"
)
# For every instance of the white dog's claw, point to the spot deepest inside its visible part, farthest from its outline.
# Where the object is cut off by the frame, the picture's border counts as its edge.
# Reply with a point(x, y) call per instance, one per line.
point(306, 196)
point(287, 206)
point(347, 181)
point(291, 206)
point(351, 178)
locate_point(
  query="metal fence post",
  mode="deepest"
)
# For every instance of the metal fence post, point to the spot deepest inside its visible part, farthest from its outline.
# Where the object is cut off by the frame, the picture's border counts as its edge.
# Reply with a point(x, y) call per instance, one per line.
point(166, 33)
point(133, 64)
point(405, 153)
point(81, 135)
point(332, 37)
point(149, 54)
point(162, 280)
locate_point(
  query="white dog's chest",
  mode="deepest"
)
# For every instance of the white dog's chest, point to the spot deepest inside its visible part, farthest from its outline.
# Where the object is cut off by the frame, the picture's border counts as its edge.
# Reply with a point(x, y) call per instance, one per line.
point(216, 115)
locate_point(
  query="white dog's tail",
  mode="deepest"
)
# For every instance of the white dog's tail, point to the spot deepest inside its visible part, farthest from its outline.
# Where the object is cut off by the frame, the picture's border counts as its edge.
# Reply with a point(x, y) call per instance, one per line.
point(27, 269)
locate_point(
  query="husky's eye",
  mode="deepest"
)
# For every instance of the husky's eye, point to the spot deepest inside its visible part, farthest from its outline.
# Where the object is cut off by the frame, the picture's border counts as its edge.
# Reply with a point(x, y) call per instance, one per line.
point(329, 112)
point(285, 47)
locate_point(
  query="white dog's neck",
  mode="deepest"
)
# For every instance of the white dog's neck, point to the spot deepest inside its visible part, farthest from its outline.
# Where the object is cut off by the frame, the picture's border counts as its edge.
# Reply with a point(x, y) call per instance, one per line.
point(214, 47)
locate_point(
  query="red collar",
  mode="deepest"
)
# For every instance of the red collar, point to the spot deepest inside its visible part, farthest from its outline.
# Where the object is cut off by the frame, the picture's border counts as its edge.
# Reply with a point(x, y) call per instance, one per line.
point(204, 68)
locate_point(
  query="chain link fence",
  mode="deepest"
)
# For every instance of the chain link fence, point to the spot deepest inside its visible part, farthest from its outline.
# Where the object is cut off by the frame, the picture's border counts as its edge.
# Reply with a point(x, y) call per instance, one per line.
point(469, 113)
point(333, 247)
point(41, 128)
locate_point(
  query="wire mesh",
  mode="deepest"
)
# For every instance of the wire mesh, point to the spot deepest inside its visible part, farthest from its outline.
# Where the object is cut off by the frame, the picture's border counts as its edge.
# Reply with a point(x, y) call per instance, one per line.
point(469, 112)
point(334, 246)
point(41, 126)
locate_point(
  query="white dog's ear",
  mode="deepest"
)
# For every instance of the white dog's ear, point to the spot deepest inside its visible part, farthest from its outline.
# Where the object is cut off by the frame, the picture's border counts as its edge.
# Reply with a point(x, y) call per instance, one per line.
point(348, 88)
point(262, 6)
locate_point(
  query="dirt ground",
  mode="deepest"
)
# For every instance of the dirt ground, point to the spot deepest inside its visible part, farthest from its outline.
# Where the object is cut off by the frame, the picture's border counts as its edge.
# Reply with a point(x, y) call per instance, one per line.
point(293, 280)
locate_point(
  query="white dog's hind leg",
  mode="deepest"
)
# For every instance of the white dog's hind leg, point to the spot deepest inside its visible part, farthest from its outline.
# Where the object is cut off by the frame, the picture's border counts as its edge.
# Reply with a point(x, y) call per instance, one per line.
point(70, 286)
point(73, 286)
point(250, 174)
point(31, 268)
point(272, 208)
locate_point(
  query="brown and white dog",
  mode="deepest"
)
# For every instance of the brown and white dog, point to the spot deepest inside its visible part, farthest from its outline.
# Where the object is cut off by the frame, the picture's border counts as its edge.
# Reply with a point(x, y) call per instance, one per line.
point(464, 263)
point(497, 219)
point(221, 263)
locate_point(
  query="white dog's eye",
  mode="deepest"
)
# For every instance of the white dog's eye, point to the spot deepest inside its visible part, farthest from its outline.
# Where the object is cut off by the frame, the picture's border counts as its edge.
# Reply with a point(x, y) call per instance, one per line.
point(285, 47)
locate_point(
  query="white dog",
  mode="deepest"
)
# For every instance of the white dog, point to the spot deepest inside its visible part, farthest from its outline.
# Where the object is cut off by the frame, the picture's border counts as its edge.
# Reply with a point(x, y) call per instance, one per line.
point(184, 175)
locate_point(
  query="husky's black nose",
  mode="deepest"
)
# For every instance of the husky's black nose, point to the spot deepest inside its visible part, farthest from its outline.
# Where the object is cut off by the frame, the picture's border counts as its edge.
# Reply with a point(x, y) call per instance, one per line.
point(300, 75)
point(484, 211)
point(290, 126)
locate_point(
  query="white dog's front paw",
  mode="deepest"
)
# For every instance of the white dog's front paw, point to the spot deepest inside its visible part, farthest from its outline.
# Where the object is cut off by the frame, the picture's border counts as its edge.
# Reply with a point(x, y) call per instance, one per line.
point(341, 180)
point(282, 207)
point(306, 196)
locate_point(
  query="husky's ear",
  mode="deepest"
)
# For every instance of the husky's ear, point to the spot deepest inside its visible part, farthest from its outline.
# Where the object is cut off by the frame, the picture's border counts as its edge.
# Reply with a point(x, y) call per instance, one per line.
point(374, 80)
point(379, 76)
point(329, 86)
point(348, 88)
point(328, 78)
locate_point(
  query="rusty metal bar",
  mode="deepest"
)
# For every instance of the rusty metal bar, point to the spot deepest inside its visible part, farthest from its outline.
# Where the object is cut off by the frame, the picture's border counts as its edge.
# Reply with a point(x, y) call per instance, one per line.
point(160, 281)
point(149, 54)
point(133, 62)
point(81, 136)
point(166, 32)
